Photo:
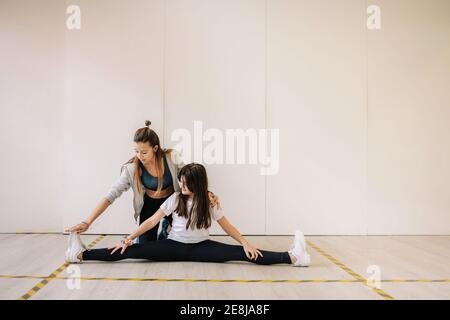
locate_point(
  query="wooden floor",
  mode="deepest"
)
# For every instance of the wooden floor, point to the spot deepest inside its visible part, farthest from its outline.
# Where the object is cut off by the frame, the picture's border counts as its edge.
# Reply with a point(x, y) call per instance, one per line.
point(410, 267)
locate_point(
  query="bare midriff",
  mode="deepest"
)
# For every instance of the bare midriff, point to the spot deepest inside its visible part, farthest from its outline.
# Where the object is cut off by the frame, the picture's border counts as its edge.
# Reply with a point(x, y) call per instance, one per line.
point(163, 194)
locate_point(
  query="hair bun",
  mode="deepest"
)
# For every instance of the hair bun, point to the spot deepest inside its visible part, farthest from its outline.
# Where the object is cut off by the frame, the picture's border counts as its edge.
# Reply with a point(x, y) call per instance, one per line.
point(148, 123)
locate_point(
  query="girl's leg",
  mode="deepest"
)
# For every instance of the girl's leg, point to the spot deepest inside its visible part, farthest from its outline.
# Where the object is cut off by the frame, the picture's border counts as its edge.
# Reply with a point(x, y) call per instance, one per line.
point(213, 251)
point(169, 250)
point(163, 250)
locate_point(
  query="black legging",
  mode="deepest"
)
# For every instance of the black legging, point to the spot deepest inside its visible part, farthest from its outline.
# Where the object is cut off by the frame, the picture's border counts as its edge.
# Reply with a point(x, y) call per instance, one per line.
point(170, 250)
point(149, 209)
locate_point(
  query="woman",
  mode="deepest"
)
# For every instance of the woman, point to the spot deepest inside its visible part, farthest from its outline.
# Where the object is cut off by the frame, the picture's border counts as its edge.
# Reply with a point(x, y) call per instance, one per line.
point(152, 175)
point(188, 240)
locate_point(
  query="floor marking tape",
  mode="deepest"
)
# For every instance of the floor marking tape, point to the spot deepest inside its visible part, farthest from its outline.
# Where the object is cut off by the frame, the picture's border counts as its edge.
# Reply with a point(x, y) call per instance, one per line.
point(53, 275)
point(225, 280)
point(350, 272)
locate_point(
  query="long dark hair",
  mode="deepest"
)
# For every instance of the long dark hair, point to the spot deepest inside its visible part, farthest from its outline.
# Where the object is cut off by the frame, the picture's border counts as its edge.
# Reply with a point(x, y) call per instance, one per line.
point(196, 180)
point(147, 135)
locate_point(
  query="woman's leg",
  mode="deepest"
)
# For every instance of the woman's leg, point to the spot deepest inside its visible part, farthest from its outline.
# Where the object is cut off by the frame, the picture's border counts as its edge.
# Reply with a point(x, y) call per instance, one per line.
point(213, 251)
point(166, 224)
point(163, 250)
point(150, 207)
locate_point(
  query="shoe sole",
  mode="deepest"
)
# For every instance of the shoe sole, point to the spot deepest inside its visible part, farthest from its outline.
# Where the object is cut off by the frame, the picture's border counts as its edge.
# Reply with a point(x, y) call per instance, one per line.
point(300, 237)
point(74, 239)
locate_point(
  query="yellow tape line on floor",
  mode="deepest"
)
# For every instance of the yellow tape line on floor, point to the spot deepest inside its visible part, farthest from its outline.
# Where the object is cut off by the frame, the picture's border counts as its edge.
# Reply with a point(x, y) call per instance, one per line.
point(244, 281)
point(53, 275)
point(350, 271)
point(223, 280)
point(208, 280)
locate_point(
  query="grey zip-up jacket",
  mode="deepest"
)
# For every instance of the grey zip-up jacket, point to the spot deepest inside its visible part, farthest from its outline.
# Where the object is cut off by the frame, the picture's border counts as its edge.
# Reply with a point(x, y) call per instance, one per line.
point(126, 180)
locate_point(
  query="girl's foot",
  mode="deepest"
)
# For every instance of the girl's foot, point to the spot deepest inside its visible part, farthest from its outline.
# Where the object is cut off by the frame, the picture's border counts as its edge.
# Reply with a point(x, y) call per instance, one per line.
point(298, 250)
point(76, 248)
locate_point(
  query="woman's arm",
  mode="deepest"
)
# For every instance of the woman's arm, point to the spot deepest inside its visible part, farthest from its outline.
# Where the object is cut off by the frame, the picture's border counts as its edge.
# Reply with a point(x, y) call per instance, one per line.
point(176, 158)
point(84, 226)
point(250, 251)
point(121, 185)
point(214, 200)
point(99, 209)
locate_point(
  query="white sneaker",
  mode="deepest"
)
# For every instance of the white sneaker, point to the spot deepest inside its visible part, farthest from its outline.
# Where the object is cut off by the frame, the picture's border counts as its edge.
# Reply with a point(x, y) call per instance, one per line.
point(76, 246)
point(298, 250)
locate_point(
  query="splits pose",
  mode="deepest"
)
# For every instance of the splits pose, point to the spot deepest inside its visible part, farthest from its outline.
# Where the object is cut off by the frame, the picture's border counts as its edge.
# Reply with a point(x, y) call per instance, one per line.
point(192, 215)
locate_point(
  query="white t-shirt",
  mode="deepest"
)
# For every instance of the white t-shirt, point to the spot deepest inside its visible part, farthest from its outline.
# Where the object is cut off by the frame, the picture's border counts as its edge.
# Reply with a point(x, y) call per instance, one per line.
point(178, 231)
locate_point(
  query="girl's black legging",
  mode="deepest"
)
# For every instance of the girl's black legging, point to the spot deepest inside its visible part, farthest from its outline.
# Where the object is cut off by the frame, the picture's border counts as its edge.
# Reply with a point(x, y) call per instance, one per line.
point(170, 250)
point(149, 209)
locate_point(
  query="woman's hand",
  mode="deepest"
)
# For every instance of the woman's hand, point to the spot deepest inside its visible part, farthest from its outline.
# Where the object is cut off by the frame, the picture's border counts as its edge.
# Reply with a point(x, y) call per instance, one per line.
point(214, 200)
point(79, 228)
point(123, 245)
point(250, 251)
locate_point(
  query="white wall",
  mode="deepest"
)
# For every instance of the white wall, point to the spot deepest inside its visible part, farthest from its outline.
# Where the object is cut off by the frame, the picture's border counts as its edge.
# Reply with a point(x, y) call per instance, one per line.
point(409, 114)
point(114, 82)
point(362, 114)
point(31, 115)
point(316, 95)
point(215, 73)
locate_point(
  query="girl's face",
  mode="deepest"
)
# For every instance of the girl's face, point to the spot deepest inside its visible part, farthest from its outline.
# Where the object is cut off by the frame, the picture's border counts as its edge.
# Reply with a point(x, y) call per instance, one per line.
point(184, 189)
point(144, 152)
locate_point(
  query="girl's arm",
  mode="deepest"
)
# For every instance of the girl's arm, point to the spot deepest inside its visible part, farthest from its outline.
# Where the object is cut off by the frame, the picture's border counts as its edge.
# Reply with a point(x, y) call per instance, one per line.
point(231, 230)
point(250, 251)
point(147, 224)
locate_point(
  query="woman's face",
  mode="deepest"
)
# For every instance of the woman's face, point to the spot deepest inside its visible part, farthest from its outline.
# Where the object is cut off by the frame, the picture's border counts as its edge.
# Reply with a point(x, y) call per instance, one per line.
point(184, 189)
point(144, 152)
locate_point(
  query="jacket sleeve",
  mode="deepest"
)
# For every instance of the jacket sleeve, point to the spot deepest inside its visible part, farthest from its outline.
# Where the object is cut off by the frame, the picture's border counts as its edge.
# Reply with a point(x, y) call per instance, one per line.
point(122, 184)
point(177, 159)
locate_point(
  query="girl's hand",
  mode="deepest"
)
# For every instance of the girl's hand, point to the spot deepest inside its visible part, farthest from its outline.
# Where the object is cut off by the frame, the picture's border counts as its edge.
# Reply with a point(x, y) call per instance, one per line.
point(123, 245)
point(214, 200)
point(79, 228)
point(251, 252)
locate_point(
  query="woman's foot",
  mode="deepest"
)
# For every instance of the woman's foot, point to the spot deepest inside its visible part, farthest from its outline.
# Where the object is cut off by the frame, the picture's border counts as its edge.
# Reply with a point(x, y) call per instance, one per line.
point(76, 248)
point(298, 251)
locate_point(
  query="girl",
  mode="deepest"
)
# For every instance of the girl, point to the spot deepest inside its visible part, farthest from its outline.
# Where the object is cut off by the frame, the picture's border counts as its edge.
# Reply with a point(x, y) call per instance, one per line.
point(188, 240)
point(152, 174)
